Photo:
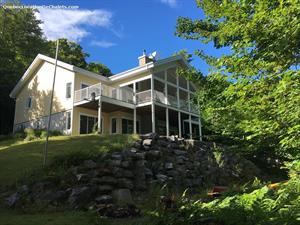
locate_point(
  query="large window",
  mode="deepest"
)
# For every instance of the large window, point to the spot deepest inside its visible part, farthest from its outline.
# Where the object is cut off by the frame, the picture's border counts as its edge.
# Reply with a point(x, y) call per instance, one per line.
point(87, 124)
point(68, 90)
point(127, 126)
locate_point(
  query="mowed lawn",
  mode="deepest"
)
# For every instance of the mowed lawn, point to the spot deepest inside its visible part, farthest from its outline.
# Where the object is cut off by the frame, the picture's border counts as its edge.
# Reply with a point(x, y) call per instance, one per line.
point(19, 158)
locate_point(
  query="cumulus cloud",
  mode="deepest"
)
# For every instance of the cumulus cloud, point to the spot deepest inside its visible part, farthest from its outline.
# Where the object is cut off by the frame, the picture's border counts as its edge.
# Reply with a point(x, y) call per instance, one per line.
point(71, 24)
point(171, 3)
point(103, 44)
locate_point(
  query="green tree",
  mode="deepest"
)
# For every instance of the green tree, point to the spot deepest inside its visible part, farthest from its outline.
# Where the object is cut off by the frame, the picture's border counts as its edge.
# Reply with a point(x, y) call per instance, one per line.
point(69, 52)
point(99, 68)
point(20, 41)
point(260, 105)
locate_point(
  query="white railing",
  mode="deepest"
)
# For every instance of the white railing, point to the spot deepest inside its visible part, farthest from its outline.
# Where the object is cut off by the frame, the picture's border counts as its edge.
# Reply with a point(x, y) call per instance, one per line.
point(121, 94)
point(126, 95)
point(142, 97)
point(159, 96)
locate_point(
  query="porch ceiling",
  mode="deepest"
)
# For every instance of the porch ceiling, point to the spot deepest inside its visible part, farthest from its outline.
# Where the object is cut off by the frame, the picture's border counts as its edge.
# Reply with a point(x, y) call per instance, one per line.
point(106, 107)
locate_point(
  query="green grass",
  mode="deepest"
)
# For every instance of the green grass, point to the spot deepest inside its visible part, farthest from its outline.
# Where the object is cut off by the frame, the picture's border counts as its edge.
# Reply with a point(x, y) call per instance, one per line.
point(19, 159)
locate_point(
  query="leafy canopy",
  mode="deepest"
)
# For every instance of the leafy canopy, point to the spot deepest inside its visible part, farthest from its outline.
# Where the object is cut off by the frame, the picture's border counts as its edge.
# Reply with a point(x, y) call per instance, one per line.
point(257, 100)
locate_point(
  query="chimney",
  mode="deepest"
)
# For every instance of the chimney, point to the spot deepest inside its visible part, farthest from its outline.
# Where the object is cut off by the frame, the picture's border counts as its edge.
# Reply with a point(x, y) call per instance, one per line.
point(144, 59)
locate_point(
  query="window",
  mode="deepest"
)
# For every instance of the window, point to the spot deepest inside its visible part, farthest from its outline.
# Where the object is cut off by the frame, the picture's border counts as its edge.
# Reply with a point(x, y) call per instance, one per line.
point(127, 126)
point(68, 90)
point(88, 124)
point(113, 125)
point(28, 103)
point(68, 120)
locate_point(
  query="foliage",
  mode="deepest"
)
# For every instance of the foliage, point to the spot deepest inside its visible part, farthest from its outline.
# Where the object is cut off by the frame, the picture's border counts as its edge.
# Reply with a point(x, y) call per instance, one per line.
point(262, 206)
point(31, 134)
point(21, 40)
point(99, 68)
point(69, 52)
point(184, 53)
point(252, 93)
point(72, 53)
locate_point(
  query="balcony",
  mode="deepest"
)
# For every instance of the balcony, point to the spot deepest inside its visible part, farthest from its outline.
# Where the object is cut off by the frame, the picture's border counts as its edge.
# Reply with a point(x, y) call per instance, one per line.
point(121, 94)
point(124, 94)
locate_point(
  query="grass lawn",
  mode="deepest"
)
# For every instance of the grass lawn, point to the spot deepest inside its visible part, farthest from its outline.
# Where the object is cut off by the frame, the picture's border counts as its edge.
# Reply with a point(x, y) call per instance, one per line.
point(19, 158)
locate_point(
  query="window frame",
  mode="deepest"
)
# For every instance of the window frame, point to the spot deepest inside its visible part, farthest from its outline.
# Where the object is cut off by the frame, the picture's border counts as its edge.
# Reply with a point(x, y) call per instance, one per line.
point(68, 120)
point(28, 102)
point(68, 90)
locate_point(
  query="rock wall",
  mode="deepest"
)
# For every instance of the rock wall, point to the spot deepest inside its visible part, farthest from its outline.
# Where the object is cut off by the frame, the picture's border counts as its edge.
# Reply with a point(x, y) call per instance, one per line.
point(151, 160)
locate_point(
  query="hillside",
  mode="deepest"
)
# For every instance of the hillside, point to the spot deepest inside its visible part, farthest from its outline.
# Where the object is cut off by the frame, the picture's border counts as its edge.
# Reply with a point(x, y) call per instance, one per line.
point(19, 158)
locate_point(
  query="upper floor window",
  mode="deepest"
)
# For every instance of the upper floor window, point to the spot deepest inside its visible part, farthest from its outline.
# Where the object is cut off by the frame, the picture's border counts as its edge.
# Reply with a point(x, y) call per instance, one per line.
point(68, 90)
point(28, 103)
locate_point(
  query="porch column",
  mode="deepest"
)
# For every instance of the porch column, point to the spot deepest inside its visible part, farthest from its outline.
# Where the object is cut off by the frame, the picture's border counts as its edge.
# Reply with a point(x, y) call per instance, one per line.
point(200, 129)
point(190, 125)
point(152, 105)
point(99, 115)
point(179, 124)
point(99, 110)
point(153, 117)
point(134, 110)
point(167, 121)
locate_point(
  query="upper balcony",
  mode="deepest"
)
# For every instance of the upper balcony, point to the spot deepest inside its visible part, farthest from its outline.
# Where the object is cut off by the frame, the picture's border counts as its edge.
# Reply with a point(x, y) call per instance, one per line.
point(94, 91)
point(126, 95)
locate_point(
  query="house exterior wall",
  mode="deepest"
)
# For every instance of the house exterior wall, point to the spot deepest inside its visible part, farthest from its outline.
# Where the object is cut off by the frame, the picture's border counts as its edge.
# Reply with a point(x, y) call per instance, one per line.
point(80, 78)
point(39, 89)
point(106, 117)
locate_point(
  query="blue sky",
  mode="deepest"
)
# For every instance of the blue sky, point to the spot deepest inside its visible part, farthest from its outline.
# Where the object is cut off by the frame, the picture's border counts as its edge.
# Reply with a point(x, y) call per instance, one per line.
point(115, 32)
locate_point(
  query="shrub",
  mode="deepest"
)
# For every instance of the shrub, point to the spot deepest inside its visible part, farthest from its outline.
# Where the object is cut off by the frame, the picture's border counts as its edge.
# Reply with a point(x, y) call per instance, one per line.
point(29, 134)
point(261, 206)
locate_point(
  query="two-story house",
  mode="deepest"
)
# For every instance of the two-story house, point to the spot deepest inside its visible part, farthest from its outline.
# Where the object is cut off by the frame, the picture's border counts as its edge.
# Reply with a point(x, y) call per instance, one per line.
point(147, 98)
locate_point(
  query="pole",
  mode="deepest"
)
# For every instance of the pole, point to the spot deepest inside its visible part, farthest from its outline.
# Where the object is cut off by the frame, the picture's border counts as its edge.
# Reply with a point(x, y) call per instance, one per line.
point(50, 110)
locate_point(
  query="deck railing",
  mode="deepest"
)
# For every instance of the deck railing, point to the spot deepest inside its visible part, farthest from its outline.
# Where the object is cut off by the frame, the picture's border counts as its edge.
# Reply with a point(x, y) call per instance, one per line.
point(143, 96)
point(122, 94)
point(126, 95)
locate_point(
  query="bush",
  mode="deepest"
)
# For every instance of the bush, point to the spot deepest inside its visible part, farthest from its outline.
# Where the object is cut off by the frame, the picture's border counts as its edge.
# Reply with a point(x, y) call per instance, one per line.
point(261, 206)
point(31, 134)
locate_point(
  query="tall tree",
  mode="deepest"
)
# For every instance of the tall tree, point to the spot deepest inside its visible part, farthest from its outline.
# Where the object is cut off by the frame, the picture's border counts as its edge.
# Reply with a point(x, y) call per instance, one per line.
point(21, 40)
point(261, 102)
point(99, 68)
point(69, 52)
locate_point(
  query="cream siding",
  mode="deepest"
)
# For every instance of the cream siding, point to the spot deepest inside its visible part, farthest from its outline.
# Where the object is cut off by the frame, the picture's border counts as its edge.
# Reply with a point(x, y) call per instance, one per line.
point(39, 89)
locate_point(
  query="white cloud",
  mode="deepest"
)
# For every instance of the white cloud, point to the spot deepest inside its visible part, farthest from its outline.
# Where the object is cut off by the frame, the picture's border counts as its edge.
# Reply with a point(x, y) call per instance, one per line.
point(71, 24)
point(171, 3)
point(103, 44)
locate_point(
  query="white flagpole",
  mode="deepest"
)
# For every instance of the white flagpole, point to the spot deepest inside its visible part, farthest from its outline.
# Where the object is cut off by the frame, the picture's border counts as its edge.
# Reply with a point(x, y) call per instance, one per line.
point(50, 110)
